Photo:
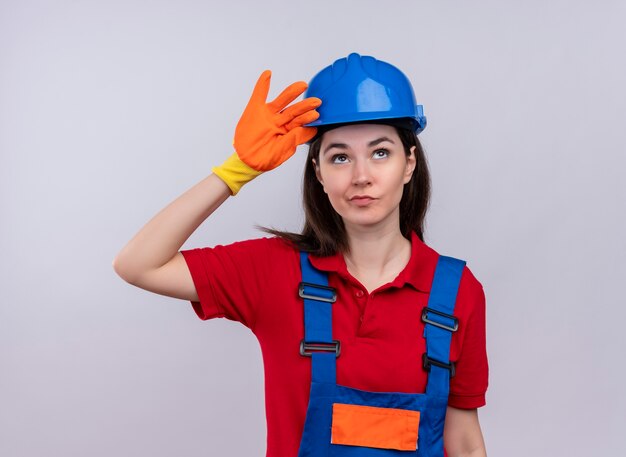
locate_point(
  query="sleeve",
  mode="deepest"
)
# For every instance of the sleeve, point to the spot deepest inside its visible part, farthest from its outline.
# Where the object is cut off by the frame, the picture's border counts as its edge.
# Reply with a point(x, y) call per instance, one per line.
point(469, 386)
point(230, 279)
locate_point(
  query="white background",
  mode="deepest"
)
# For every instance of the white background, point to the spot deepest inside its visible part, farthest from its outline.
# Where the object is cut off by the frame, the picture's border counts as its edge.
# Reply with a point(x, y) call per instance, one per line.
point(110, 110)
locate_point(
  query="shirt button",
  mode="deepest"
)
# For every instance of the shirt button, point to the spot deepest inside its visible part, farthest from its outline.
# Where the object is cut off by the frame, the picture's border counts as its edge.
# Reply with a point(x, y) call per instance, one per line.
point(359, 293)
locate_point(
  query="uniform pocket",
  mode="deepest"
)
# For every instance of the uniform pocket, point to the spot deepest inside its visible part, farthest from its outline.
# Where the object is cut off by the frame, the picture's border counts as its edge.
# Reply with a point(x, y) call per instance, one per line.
point(375, 427)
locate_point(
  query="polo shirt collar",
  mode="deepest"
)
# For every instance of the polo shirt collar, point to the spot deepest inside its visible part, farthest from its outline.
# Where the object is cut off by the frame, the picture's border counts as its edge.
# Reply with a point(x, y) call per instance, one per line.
point(418, 272)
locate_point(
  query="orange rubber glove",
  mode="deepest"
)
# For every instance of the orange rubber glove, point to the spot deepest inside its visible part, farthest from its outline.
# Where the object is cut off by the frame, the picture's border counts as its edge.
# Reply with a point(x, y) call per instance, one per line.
point(268, 133)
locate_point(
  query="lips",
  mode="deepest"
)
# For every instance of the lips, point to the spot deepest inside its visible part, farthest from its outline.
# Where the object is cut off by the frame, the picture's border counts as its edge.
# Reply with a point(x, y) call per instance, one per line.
point(360, 197)
point(362, 200)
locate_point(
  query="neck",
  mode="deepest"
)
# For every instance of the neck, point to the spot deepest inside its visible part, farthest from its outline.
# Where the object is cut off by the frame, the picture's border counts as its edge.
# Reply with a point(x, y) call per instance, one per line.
point(377, 251)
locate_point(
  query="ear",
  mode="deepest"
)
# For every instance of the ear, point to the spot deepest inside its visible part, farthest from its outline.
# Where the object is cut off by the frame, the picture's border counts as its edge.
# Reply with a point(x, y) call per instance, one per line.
point(317, 173)
point(411, 162)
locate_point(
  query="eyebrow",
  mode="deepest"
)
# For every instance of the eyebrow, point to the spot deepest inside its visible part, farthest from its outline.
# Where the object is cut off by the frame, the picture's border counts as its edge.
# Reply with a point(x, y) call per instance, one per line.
point(372, 143)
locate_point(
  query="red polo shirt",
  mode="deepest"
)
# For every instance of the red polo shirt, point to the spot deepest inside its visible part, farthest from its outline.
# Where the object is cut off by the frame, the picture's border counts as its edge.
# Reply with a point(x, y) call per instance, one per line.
point(256, 282)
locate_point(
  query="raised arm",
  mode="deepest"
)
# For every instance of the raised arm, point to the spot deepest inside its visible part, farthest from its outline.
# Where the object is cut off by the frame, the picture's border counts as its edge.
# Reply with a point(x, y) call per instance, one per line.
point(267, 134)
point(151, 259)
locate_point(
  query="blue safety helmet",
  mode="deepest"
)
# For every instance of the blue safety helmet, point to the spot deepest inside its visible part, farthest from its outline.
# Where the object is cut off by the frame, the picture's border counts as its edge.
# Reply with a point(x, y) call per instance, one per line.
point(361, 89)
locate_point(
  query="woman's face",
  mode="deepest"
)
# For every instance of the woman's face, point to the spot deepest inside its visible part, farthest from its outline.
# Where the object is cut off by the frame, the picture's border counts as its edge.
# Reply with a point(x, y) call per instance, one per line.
point(363, 169)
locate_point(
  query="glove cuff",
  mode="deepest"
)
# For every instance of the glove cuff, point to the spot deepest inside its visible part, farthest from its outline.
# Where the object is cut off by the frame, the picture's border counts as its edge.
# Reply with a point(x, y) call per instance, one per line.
point(235, 173)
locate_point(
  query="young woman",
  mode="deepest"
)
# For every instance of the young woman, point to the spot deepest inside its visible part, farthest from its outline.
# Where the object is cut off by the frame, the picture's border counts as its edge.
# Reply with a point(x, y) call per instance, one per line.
point(373, 344)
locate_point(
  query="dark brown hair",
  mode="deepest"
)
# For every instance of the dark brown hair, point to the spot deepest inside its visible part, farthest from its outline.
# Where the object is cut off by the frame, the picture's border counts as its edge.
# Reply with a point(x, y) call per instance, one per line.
point(324, 233)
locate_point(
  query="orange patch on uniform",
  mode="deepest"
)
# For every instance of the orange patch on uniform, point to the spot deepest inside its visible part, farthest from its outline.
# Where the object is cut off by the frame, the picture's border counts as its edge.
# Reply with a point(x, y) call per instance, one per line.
point(370, 426)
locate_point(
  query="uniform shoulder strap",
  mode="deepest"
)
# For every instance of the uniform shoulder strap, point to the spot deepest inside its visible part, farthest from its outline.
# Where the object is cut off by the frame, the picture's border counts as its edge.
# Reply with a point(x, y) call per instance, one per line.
point(318, 341)
point(440, 323)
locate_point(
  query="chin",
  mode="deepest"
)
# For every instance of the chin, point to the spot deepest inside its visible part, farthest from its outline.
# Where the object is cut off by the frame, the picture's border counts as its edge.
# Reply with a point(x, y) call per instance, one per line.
point(364, 221)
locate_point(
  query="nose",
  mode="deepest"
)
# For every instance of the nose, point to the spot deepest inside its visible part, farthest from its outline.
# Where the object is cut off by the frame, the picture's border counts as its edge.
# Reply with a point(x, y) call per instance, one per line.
point(361, 174)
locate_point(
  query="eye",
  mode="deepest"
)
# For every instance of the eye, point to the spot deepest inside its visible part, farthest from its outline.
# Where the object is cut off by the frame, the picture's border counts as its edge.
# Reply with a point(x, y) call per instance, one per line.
point(339, 158)
point(380, 153)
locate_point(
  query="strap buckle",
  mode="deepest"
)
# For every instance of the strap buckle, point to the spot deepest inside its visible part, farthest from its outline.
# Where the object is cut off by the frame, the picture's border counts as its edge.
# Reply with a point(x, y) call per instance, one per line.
point(428, 361)
point(454, 322)
point(330, 295)
point(307, 349)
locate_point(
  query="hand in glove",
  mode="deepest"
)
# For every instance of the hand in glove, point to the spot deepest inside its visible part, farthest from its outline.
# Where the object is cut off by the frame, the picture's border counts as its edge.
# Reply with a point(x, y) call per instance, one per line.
point(268, 133)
